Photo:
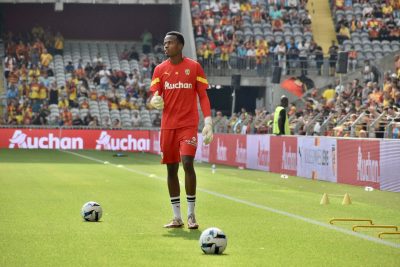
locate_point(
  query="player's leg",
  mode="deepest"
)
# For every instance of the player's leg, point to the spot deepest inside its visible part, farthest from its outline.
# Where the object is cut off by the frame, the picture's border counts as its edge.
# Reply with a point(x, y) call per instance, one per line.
point(188, 147)
point(190, 187)
point(174, 193)
point(171, 157)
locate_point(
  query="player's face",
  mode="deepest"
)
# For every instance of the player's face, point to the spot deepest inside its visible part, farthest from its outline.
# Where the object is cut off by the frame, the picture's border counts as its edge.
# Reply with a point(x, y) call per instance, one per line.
point(171, 46)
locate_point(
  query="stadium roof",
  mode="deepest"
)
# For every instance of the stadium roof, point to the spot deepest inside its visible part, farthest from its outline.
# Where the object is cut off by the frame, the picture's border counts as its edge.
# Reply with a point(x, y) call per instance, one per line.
point(118, 2)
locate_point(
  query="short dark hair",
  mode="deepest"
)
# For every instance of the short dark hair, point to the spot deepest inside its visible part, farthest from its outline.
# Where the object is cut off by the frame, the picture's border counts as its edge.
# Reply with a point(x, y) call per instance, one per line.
point(179, 36)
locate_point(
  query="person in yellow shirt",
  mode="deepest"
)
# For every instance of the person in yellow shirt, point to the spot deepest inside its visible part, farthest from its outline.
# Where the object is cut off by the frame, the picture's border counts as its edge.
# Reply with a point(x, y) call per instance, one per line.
point(34, 72)
point(329, 94)
point(343, 34)
point(245, 7)
point(63, 102)
point(387, 10)
point(113, 104)
point(124, 104)
point(46, 58)
point(224, 57)
point(35, 88)
point(42, 92)
point(72, 95)
point(59, 44)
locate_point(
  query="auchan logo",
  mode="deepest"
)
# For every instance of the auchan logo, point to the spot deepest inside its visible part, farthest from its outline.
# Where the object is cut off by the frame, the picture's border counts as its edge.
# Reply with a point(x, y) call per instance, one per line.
point(106, 142)
point(178, 85)
point(22, 140)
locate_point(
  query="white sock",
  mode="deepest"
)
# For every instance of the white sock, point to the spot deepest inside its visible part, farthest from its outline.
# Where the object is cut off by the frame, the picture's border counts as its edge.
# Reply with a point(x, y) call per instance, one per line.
point(176, 206)
point(191, 204)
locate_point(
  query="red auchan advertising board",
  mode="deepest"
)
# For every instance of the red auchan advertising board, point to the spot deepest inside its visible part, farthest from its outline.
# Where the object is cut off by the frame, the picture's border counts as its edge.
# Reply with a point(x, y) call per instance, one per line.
point(283, 155)
point(120, 140)
point(228, 149)
point(359, 162)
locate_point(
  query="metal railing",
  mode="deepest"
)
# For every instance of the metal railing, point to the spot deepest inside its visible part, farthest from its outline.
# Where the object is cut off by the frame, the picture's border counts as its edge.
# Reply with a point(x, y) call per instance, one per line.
point(372, 125)
point(324, 125)
point(248, 66)
point(354, 124)
point(309, 126)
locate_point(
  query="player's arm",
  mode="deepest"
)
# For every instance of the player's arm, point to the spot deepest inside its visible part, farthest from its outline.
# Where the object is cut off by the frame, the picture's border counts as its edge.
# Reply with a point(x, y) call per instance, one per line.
point(202, 85)
point(156, 89)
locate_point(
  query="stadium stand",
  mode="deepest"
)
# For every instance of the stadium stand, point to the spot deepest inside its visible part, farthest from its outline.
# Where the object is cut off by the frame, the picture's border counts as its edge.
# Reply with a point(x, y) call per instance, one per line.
point(105, 83)
point(371, 28)
point(86, 83)
point(254, 35)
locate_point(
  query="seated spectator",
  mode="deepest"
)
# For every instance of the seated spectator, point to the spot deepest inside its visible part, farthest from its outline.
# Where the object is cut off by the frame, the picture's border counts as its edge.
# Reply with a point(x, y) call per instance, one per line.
point(352, 59)
point(133, 54)
point(77, 121)
point(116, 124)
point(98, 60)
point(94, 122)
point(136, 121)
point(70, 67)
point(220, 123)
point(63, 102)
point(343, 34)
point(277, 25)
point(66, 117)
point(105, 122)
point(84, 104)
point(45, 58)
point(58, 44)
point(157, 120)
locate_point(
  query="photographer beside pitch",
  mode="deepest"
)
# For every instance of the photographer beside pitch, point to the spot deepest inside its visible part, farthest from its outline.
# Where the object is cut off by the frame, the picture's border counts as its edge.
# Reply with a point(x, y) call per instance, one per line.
point(176, 84)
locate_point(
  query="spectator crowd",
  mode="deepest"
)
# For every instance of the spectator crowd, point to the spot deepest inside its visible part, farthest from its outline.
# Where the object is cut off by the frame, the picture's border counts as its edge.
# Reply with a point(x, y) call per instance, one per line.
point(32, 90)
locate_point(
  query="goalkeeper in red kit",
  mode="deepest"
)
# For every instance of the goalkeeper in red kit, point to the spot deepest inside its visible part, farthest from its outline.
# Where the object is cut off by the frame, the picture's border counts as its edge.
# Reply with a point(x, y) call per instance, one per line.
point(176, 85)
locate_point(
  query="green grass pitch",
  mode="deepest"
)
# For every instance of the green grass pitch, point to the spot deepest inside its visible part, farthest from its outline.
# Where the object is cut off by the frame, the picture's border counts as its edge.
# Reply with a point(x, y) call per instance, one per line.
point(269, 221)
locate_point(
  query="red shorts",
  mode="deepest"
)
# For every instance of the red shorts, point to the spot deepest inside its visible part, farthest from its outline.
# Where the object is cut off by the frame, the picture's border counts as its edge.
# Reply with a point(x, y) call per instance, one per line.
point(177, 142)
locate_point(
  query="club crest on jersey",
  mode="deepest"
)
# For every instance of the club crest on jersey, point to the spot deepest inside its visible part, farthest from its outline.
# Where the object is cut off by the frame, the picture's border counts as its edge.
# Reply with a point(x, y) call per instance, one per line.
point(187, 71)
point(178, 85)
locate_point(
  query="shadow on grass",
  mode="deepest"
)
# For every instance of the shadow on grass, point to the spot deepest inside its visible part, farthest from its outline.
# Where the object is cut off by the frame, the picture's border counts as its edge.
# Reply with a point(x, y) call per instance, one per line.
point(183, 233)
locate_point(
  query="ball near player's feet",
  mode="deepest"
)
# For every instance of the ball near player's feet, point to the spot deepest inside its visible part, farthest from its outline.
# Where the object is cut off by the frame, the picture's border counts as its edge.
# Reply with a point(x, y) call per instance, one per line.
point(213, 241)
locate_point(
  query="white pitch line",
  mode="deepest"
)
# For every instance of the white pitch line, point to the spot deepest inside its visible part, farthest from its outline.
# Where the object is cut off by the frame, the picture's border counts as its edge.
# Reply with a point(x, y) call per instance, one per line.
point(255, 205)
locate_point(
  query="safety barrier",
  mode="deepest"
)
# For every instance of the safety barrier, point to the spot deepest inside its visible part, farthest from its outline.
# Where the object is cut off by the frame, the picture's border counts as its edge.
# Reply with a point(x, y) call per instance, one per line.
point(362, 162)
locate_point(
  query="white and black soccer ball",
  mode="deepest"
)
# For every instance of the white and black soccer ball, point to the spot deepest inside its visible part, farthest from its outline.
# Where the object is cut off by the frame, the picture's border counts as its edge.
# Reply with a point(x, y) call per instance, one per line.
point(91, 211)
point(213, 241)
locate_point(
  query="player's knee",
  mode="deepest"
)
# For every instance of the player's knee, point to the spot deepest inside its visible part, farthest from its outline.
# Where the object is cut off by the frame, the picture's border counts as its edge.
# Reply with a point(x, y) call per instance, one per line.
point(188, 166)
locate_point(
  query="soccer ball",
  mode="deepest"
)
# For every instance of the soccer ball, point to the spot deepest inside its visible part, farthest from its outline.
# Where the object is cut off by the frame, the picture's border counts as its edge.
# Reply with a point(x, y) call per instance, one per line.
point(91, 211)
point(213, 241)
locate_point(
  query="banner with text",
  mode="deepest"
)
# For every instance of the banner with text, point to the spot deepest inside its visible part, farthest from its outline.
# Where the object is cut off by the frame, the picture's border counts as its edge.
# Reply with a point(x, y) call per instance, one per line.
point(284, 156)
point(359, 162)
point(118, 140)
point(258, 152)
point(229, 149)
point(316, 158)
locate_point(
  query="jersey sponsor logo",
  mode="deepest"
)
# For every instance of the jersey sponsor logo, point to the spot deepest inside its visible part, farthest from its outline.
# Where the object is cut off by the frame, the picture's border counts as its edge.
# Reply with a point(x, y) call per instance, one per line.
point(105, 141)
point(22, 140)
point(178, 85)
